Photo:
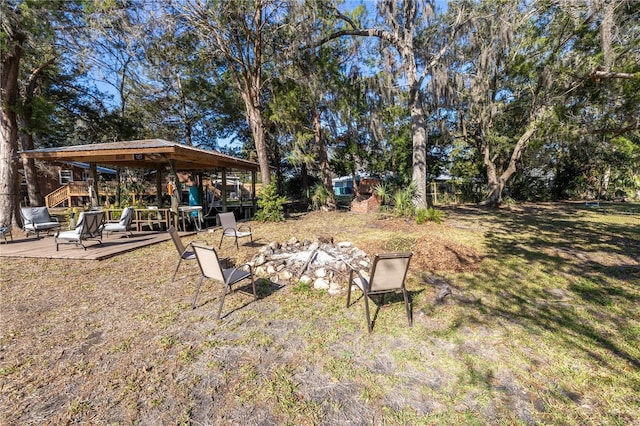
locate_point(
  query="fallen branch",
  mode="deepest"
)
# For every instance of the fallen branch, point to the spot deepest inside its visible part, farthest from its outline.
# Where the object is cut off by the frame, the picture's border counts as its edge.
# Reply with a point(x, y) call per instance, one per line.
point(306, 265)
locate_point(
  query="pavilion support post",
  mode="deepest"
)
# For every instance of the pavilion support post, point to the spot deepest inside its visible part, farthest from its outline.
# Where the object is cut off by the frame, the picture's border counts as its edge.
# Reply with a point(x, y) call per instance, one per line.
point(253, 191)
point(176, 191)
point(159, 187)
point(224, 190)
point(118, 186)
point(200, 178)
point(95, 199)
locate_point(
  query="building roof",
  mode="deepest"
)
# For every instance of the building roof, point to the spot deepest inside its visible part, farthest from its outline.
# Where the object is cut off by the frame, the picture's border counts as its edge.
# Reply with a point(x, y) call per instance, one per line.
point(144, 154)
point(85, 166)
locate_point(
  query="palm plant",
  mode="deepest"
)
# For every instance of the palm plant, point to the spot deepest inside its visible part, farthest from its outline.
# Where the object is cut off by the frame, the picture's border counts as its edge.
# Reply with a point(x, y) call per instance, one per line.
point(404, 200)
point(320, 196)
point(383, 193)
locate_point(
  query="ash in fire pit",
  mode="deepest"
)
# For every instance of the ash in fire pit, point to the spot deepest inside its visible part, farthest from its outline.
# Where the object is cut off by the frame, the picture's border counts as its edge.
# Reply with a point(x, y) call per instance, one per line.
point(320, 262)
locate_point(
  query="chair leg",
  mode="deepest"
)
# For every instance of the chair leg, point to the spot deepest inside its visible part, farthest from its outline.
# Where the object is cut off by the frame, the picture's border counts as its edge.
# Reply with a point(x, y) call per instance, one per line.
point(221, 238)
point(176, 271)
point(195, 296)
point(237, 247)
point(253, 284)
point(366, 308)
point(349, 288)
point(406, 305)
point(224, 294)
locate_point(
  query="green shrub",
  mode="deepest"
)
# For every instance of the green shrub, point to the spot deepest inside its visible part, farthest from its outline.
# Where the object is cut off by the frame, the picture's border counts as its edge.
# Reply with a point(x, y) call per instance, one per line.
point(508, 201)
point(382, 192)
point(403, 201)
point(271, 205)
point(428, 215)
point(320, 196)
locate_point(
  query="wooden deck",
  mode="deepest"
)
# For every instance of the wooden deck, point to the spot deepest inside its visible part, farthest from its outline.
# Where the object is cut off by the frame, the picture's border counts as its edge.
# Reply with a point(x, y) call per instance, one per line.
point(115, 244)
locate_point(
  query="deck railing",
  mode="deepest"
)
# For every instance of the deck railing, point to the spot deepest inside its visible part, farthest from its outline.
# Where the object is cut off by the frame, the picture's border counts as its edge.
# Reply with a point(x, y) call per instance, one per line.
point(66, 192)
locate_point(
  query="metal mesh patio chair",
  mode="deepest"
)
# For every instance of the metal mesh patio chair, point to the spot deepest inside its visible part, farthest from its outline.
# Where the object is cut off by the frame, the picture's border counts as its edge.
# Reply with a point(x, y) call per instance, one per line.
point(231, 229)
point(211, 268)
point(387, 275)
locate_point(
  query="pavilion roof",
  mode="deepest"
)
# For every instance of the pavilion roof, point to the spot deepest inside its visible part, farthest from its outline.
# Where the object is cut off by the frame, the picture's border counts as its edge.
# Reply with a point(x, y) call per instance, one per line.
point(144, 154)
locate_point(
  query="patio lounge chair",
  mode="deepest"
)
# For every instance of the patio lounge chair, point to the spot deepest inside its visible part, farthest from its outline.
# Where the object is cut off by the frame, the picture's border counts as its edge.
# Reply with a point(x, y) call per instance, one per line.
point(89, 227)
point(387, 275)
point(231, 229)
point(212, 269)
point(124, 225)
point(38, 219)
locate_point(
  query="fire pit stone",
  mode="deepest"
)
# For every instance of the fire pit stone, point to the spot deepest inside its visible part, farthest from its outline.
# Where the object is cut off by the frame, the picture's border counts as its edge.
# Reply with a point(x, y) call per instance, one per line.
point(319, 263)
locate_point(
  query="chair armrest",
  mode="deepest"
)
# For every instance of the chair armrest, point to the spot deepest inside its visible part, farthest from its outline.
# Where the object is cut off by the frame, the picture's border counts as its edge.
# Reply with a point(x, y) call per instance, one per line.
point(190, 245)
point(363, 279)
point(246, 264)
point(244, 226)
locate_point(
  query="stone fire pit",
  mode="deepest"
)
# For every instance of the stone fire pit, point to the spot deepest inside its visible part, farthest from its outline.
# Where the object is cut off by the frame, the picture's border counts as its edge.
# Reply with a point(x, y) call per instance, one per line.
point(320, 263)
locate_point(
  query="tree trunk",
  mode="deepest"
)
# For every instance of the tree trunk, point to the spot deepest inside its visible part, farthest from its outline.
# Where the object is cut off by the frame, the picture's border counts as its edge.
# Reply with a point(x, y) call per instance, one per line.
point(497, 184)
point(401, 36)
point(323, 160)
point(604, 188)
point(26, 142)
point(419, 137)
point(494, 199)
point(304, 176)
point(25, 119)
point(9, 132)
point(237, 37)
point(30, 173)
point(418, 125)
point(254, 117)
point(183, 112)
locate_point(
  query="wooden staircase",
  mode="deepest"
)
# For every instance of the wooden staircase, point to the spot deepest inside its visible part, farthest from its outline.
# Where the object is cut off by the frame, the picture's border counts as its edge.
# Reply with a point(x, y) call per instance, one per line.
point(66, 193)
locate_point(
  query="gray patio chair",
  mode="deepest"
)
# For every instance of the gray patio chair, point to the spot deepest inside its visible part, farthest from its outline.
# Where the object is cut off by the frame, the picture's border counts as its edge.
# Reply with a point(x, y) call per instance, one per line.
point(88, 227)
point(211, 268)
point(388, 274)
point(231, 229)
point(184, 252)
point(123, 225)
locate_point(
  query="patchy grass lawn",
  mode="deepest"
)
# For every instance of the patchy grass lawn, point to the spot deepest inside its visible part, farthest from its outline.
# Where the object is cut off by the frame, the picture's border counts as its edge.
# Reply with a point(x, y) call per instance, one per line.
point(524, 315)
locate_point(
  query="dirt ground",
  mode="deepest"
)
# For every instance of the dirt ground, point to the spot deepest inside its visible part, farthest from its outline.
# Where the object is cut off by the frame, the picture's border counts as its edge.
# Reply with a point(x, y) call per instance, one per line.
point(116, 342)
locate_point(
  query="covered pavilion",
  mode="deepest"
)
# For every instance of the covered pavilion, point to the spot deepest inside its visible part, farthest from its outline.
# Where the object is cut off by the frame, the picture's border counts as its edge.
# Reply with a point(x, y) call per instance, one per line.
point(163, 156)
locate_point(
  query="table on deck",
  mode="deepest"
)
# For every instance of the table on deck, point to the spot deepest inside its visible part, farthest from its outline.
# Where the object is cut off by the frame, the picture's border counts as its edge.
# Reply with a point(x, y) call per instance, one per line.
point(185, 212)
point(151, 218)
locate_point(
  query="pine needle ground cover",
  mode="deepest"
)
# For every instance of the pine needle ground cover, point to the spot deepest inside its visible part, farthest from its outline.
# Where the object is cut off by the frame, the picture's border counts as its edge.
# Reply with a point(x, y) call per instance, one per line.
point(523, 315)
